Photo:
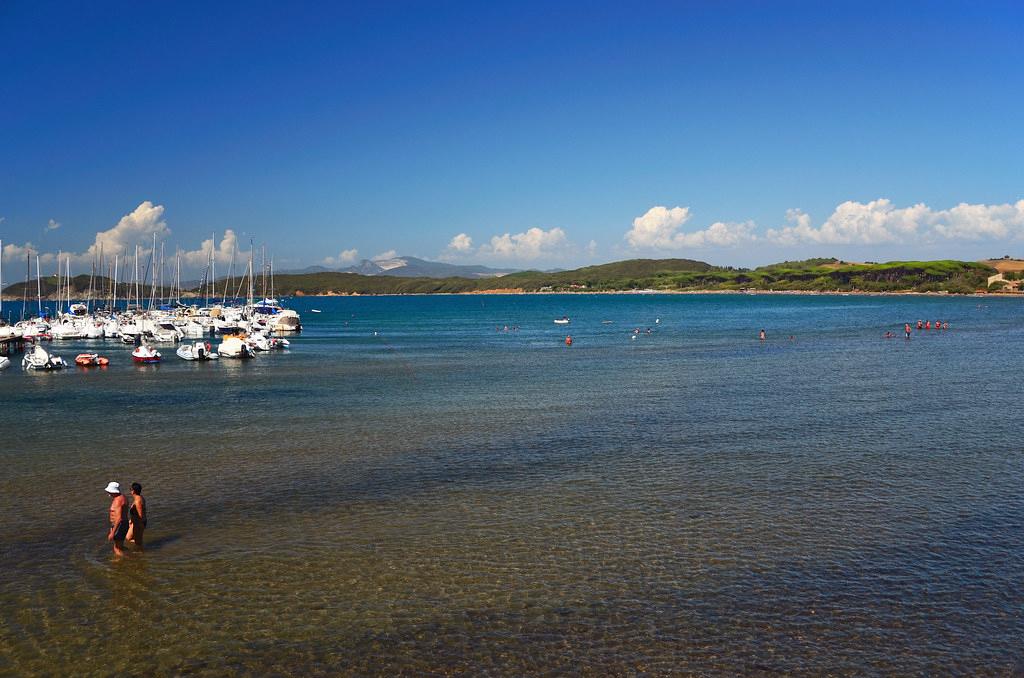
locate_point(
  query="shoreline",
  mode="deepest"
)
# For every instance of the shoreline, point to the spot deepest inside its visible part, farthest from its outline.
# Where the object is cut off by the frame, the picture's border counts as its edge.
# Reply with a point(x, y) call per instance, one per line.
point(511, 293)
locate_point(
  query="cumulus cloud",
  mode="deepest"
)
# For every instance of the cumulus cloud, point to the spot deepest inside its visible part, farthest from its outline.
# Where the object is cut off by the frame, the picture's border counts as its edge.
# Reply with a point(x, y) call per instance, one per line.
point(659, 229)
point(881, 222)
point(222, 253)
point(461, 243)
point(16, 253)
point(344, 257)
point(134, 228)
point(390, 254)
point(534, 243)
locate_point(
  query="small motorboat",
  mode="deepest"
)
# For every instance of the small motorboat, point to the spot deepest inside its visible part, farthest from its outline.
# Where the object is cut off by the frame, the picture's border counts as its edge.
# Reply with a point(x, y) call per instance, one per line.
point(315, 310)
point(39, 359)
point(235, 347)
point(146, 355)
point(5, 362)
point(196, 351)
point(564, 320)
point(91, 360)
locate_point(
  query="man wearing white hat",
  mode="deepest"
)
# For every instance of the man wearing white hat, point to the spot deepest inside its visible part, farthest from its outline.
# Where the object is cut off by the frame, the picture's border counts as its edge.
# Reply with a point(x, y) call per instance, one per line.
point(118, 517)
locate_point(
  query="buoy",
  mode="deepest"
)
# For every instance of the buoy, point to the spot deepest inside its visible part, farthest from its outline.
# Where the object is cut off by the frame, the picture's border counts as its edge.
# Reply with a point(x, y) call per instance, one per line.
point(568, 341)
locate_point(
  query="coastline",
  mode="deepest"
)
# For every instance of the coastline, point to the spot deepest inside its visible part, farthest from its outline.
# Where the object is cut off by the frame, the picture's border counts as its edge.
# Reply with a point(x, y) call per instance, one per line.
point(519, 292)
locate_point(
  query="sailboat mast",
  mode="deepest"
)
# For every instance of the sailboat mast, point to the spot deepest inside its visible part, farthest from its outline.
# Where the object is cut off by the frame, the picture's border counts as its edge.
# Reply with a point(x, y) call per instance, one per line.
point(250, 272)
point(24, 292)
point(39, 288)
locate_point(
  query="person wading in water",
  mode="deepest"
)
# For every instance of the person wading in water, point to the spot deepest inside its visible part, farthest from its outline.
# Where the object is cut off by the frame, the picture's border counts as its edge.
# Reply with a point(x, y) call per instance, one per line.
point(137, 517)
point(118, 517)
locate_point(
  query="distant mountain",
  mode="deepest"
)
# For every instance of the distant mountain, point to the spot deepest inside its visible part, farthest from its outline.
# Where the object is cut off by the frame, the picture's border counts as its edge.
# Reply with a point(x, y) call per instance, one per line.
point(411, 267)
point(408, 267)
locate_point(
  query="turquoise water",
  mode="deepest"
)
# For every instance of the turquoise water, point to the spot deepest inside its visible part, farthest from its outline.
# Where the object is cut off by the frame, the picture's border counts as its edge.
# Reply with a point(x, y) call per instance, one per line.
point(412, 489)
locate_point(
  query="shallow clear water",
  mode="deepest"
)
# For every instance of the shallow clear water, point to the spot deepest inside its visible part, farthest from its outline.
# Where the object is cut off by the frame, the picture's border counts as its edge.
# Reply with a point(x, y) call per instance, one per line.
point(445, 497)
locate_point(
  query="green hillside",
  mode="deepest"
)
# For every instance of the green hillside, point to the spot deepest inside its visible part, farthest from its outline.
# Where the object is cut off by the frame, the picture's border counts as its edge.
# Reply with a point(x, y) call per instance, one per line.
point(823, 274)
point(674, 275)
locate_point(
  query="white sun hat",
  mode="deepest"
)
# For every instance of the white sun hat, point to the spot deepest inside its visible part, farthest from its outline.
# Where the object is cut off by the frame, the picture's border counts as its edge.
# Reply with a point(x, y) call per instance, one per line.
point(113, 488)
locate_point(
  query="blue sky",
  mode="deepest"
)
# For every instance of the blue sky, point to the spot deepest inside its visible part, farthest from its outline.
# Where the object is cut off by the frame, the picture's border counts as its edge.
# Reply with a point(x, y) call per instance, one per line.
point(524, 134)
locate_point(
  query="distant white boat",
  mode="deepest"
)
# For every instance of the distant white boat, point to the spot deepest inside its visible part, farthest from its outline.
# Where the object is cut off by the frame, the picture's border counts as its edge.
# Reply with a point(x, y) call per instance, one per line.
point(315, 310)
point(564, 320)
point(196, 351)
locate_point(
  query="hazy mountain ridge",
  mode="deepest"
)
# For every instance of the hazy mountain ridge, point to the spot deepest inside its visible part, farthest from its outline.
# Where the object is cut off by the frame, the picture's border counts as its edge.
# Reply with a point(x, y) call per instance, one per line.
point(410, 267)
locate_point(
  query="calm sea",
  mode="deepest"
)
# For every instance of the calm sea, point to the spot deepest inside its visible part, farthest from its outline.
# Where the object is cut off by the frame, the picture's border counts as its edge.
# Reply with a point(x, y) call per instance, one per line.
point(411, 489)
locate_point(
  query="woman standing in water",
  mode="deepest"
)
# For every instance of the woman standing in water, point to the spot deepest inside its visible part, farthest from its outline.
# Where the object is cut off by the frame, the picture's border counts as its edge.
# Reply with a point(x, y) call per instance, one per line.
point(137, 516)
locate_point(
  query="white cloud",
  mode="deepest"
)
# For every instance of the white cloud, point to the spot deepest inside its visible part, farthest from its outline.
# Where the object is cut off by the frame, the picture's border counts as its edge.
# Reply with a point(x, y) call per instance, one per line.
point(880, 222)
point(461, 243)
point(534, 243)
point(135, 228)
point(390, 254)
point(976, 222)
point(17, 253)
point(225, 249)
point(658, 229)
point(592, 248)
point(344, 257)
point(871, 223)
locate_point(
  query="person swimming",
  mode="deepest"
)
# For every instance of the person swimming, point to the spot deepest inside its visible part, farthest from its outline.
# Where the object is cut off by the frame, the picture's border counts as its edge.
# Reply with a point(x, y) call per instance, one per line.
point(762, 335)
point(906, 328)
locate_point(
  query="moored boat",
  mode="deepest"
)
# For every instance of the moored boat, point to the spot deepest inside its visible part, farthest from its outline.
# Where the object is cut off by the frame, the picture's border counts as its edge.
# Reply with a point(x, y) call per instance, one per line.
point(145, 355)
point(235, 347)
point(197, 351)
point(91, 360)
point(39, 359)
point(564, 320)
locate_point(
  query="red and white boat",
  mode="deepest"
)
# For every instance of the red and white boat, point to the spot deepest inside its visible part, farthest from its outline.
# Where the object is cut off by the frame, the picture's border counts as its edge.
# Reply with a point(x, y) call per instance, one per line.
point(91, 360)
point(146, 355)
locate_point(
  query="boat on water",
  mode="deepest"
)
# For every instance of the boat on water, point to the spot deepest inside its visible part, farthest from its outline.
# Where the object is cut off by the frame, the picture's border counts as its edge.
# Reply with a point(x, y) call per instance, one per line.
point(146, 355)
point(91, 360)
point(234, 346)
point(39, 359)
point(197, 351)
point(5, 362)
point(564, 320)
point(314, 310)
point(269, 313)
